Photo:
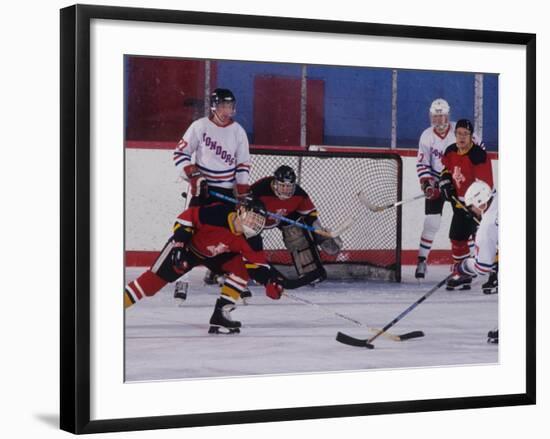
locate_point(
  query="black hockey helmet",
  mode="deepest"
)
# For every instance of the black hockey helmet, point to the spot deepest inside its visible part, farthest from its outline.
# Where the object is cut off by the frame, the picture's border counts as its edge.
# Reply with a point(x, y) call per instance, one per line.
point(221, 95)
point(465, 123)
point(255, 205)
point(284, 182)
point(285, 174)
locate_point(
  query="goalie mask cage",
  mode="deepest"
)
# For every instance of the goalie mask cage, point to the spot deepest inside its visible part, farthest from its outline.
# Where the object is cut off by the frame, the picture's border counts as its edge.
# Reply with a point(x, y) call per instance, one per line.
point(333, 177)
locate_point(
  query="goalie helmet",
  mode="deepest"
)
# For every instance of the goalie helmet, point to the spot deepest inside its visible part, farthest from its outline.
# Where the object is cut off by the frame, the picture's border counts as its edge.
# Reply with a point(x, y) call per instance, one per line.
point(439, 114)
point(252, 215)
point(478, 195)
point(284, 182)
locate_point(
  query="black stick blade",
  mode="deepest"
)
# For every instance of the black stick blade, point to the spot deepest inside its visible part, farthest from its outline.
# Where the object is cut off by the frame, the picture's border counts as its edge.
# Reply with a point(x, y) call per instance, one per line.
point(352, 341)
point(409, 335)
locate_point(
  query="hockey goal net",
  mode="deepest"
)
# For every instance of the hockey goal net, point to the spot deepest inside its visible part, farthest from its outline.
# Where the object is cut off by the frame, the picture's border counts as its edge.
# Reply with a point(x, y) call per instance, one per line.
point(333, 177)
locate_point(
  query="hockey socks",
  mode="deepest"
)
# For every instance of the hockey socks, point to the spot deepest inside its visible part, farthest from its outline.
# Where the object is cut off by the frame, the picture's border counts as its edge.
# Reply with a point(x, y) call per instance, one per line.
point(146, 285)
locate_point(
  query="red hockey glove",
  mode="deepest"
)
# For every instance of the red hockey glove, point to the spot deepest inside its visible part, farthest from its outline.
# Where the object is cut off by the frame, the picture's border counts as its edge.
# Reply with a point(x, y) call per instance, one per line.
point(197, 182)
point(242, 191)
point(274, 290)
point(430, 189)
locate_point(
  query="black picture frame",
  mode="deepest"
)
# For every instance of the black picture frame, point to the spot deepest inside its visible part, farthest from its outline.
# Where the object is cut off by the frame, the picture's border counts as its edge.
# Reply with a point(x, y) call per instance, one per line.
point(75, 273)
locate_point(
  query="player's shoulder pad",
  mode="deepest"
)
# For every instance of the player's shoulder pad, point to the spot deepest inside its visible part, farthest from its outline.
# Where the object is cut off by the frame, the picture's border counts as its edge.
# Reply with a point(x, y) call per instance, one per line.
point(215, 214)
point(262, 187)
point(450, 149)
point(477, 155)
point(300, 192)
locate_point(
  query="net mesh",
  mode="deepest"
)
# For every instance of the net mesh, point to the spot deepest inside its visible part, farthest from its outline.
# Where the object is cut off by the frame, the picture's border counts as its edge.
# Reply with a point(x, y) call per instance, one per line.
point(371, 247)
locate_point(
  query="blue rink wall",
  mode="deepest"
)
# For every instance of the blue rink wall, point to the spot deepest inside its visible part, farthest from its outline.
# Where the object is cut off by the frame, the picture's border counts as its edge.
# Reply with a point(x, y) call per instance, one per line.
point(358, 101)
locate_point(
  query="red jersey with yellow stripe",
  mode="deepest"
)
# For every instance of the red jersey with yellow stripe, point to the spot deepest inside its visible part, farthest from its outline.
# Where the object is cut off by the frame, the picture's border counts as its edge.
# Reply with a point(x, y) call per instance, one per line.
point(466, 167)
point(214, 233)
point(299, 205)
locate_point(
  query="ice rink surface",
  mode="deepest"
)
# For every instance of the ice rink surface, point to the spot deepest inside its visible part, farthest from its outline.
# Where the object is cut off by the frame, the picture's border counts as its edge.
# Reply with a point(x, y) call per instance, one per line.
point(167, 339)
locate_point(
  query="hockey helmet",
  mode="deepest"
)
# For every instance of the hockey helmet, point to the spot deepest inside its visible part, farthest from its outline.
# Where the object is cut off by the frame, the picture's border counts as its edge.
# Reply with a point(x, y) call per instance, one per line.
point(220, 96)
point(465, 123)
point(284, 182)
point(440, 106)
point(439, 113)
point(478, 194)
point(252, 213)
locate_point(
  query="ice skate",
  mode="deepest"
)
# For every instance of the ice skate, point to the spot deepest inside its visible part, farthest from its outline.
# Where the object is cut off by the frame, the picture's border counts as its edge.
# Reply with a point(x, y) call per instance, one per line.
point(462, 282)
point(421, 268)
point(221, 322)
point(492, 336)
point(491, 286)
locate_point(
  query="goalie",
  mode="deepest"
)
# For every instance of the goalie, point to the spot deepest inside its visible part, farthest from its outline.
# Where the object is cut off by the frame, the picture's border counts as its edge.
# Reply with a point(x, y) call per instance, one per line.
point(281, 194)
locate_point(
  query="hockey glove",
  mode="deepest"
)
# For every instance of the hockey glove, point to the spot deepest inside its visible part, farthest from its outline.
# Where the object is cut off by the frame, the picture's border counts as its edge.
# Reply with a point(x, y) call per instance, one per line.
point(430, 189)
point(274, 290)
point(330, 246)
point(242, 191)
point(446, 187)
point(179, 258)
point(197, 182)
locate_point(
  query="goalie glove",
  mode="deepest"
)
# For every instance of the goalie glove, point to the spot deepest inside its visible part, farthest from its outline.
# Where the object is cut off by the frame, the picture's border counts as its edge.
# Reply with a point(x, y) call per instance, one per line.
point(331, 246)
point(197, 182)
point(430, 189)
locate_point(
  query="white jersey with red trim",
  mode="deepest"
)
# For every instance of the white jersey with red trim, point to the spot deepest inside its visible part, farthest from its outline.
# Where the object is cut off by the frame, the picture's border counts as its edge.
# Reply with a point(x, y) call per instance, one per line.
point(486, 244)
point(431, 147)
point(221, 152)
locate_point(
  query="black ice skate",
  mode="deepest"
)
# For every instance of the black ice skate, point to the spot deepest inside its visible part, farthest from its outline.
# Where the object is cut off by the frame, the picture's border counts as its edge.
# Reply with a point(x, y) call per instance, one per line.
point(421, 268)
point(458, 281)
point(491, 286)
point(492, 336)
point(221, 322)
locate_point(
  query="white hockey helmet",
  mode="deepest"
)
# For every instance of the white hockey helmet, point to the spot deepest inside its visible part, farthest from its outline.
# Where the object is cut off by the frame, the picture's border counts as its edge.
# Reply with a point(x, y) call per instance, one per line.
point(478, 194)
point(440, 106)
point(439, 113)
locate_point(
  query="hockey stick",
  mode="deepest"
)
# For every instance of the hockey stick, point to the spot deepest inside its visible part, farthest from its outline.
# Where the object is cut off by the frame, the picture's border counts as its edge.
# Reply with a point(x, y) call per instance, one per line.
point(343, 227)
point(347, 339)
point(394, 337)
point(373, 208)
point(465, 209)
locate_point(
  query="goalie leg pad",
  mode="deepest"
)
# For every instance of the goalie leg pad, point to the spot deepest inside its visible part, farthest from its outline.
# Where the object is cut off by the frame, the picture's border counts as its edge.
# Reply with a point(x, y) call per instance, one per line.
point(305, 255)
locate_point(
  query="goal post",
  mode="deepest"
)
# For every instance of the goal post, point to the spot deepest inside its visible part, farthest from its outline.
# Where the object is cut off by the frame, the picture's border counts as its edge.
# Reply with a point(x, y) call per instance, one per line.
point(333, 177)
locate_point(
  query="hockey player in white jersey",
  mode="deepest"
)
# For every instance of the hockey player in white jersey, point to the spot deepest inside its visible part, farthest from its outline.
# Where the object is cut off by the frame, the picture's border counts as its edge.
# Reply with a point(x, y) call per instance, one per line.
point(431, 147)
point(483, 202)
point(220, 149)
point(221, 156)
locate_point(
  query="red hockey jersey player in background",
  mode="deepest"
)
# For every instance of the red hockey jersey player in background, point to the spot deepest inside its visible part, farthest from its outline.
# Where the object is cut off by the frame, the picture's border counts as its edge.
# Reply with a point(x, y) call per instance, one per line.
point(464, 162)
point(213, 236)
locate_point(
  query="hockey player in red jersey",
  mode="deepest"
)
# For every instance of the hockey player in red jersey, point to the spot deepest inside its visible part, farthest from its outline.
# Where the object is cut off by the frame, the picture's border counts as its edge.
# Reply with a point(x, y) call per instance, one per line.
point(282, 195)
point(464, 162)
point(213, 236)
